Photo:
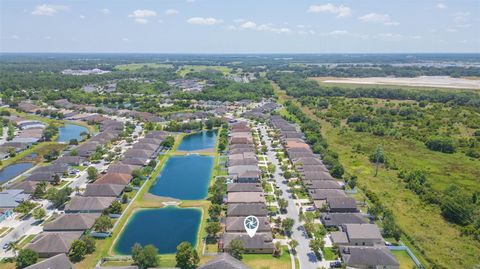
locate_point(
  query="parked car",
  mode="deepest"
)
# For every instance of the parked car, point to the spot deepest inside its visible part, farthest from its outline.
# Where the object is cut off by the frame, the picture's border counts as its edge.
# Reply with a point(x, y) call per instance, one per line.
point(310, 209)
point(336, 264)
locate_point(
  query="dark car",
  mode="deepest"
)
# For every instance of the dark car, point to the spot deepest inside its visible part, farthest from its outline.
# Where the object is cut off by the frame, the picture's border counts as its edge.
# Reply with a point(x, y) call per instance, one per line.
point(336, 264)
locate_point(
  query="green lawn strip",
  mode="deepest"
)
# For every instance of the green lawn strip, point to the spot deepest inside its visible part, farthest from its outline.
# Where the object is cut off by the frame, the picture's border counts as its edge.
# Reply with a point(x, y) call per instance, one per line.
point(198, 68)
point(25, 240)
point(430, 234)
point(404, 259)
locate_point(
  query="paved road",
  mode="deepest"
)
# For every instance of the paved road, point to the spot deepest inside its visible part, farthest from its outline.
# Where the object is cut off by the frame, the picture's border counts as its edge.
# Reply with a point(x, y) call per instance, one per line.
point(305, 255)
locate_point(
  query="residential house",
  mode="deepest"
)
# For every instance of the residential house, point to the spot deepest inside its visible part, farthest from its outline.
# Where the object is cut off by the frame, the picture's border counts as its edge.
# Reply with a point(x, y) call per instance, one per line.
point(368, 258)
point(71, 222)
point(103, 190)
point(59, 261)
point(49, 244)
point(79, 204)
point(224, 261)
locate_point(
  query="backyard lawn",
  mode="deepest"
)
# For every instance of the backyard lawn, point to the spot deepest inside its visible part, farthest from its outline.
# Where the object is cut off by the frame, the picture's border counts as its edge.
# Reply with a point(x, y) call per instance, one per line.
point(267, 261)
point(404, 259)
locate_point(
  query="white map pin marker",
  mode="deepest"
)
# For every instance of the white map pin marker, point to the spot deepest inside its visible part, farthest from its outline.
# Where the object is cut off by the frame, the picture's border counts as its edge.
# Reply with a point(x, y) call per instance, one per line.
point(251, 225)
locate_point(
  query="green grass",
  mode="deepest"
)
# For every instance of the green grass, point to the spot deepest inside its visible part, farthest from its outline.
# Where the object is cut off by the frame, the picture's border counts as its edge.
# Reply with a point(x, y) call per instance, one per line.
point(329, 254)
point(267, 261)
point(433, 238)
point(404, 259)
point(198, 68)
point(135, 67)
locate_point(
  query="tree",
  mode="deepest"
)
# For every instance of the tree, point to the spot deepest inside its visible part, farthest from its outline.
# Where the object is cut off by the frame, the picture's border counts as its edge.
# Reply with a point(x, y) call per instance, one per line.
point(49, 132)
point(89, 243)
point(38, 213)
point(293, 244)
point(390, 228)
point(236, 249)
point(213, 228)
point(378, 157)
point(92, 173)
point(124, 198)
point(73, 142)
point(40, 189)
point(103, 224)
point(78, 250)
point(214, 211)
point(168, 142)
point(59, 197)
point(115, 208)
point(316, 244)
point(278, 249)
point(145, 257)
point(287, 225)
point(186, 257)
point(283, 204)
point(26, 257)
point(12, 245)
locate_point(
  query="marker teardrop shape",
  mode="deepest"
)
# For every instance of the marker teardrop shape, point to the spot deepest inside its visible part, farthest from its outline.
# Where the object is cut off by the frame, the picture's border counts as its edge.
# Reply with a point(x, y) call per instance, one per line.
point(251, 225)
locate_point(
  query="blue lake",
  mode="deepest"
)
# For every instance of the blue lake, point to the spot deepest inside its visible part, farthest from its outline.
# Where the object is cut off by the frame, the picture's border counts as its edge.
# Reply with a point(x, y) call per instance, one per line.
point(184, 177)
point(198, 141)
point(164, 228)
point(14, 170)
point(70, 131)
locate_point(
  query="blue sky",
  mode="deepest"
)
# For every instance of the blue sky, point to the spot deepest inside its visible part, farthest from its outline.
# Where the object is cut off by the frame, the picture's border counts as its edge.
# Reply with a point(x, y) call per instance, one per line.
point(246, 26)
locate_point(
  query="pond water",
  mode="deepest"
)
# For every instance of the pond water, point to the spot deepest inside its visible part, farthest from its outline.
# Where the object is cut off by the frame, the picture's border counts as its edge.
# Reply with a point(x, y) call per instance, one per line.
point(70, 131)
point(164, 228)
point(184, 177)
point(14, 170)
point(198, 141)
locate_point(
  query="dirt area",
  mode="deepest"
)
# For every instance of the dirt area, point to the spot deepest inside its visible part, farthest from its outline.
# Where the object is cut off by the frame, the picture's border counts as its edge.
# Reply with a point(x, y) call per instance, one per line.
point(423, 81)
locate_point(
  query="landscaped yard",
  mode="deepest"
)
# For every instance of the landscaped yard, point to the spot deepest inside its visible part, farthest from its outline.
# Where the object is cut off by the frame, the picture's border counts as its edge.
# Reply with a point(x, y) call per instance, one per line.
point(198, 68)
point(267, 261)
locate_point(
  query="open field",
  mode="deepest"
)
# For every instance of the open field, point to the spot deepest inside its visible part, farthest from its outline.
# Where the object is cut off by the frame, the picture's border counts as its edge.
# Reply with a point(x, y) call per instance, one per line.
point(424, 81)
point(134, 67)
point(198, 68)
point(433, 239)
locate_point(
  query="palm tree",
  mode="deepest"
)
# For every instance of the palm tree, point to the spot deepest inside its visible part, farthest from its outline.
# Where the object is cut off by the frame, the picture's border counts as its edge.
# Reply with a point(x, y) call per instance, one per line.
point(12, 245)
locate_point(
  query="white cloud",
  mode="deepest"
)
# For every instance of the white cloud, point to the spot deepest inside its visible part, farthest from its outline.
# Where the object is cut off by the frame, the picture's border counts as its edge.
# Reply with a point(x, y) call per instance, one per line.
point(341, 11)
point(82, 17)
point(238, 20)
point(48, 10)
point(461, 17)
point(142, 15)
point(250, 25)
point(47, 37)
point(190, 1)
point(204, 21)
point(441, 6)
point(14, 37)
point(105, 11)
point(379, 18)
point(338, 32)
point(171, 11)
point(125, 39)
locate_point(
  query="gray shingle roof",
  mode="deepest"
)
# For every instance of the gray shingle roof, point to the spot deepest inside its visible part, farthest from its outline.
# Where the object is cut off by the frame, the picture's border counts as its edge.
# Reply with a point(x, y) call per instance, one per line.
point(257, 209)
point(236, 224)
point(224, 261)
point(59, 261)
point(368, 256)
point(362, 231)
point(88, 204)
point(71, 222)
point(103, 190)
point(259, 241)
point(47, 244)
point(337, 219)
point(244, 187)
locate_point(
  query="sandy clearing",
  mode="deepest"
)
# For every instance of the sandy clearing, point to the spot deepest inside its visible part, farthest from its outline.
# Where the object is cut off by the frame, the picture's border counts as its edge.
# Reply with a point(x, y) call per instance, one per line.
point(424, 81)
